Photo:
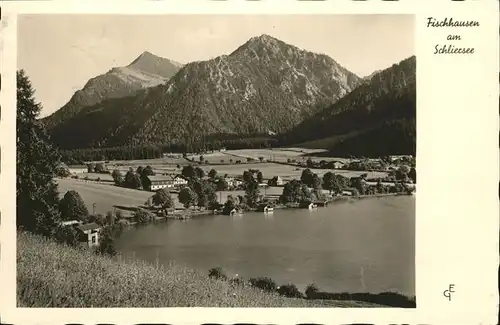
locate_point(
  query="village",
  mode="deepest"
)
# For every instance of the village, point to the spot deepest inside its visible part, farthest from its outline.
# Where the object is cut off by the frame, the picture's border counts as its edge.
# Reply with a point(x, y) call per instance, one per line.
point(204, 184)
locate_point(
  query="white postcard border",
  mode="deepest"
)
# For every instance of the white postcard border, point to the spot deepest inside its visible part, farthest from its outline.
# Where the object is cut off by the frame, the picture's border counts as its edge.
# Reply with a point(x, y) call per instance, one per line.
point(457, 127)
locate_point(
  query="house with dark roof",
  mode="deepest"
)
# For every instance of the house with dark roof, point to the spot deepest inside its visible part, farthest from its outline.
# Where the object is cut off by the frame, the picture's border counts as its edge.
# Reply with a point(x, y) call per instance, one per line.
point(276, 181)
point(89, 233)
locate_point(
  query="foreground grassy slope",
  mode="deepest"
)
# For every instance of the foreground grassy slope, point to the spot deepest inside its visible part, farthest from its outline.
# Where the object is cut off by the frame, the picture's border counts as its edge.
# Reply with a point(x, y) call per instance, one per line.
point(52, 275)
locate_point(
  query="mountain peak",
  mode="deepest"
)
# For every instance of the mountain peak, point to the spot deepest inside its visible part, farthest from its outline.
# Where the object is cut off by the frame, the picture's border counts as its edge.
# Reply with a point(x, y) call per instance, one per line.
point(264, 37)
point(264, 42)
point(151, 63)
point(145, 56)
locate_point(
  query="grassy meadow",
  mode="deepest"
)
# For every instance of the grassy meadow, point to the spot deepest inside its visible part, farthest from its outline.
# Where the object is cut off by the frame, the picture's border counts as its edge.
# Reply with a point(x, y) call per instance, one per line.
point(95, 176)
point(287, 172)
point(53, 275)
point(106, 196)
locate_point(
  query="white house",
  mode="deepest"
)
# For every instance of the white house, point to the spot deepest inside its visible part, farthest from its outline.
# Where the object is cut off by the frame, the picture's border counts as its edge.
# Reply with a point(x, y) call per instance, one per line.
point(233, 182)
point(338, 164)
point(180, 181)
point(78, 169)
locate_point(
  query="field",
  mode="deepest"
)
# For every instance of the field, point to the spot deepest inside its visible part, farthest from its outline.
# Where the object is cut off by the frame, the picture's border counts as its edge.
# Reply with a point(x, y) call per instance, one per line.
point(104, 196)
point(218, 158)
point(95, 176)
point(53, 275)
point(224, 162)
point(280, 154)
point(287, 172)
point(220, 161)
point(213, 158)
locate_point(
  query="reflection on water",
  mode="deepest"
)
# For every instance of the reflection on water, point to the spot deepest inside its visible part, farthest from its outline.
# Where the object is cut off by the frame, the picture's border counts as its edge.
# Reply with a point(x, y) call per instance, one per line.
point(269, 215)
point(364, 246)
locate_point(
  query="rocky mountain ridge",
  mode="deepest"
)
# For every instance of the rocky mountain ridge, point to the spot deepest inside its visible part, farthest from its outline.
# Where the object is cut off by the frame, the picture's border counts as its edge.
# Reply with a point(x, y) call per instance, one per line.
point(146, 71)
point(264, 86)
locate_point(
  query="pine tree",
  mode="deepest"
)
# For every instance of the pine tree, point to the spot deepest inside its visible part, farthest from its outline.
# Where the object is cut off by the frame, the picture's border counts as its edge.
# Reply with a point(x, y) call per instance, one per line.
point(37, 162)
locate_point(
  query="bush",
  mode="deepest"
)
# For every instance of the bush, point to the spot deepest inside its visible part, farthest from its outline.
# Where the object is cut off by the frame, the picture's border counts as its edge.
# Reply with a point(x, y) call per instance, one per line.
point(244, 207)
point(97, 218)
point(237, 282)
point(122, 223)
point(290, 290)
point(142, 216)
point(217, 273)
point(214, 206)
point(66, 235)
point(264, 283)
point(311, 290)
point(106, 242)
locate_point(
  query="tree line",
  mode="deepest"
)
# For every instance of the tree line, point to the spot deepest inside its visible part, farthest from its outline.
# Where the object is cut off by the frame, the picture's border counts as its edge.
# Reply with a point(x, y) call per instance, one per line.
point(152, 151)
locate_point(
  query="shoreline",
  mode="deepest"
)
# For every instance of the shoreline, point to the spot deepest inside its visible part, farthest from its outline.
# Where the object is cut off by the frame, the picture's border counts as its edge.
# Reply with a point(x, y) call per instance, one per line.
point(204, 213)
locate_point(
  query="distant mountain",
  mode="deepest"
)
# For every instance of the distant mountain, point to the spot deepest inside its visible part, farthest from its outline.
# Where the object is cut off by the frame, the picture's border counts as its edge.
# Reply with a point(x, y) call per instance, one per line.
point(264, 87)
point(147, 71)
point(377, 118)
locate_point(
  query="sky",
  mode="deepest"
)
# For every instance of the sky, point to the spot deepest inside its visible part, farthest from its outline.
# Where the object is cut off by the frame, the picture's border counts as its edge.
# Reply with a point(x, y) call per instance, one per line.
point(60, 53)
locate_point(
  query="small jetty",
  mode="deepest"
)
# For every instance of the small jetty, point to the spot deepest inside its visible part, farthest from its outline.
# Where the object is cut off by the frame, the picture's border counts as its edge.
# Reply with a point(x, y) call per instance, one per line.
point(321, 203)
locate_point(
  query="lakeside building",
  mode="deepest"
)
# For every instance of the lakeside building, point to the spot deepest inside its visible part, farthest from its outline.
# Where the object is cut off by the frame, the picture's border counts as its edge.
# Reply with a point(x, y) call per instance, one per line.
point(265, 208)
point(308, 205)
point(89, 233)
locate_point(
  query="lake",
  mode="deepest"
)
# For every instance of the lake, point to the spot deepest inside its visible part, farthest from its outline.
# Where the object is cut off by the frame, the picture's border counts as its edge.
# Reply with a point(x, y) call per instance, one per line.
point(359, 246)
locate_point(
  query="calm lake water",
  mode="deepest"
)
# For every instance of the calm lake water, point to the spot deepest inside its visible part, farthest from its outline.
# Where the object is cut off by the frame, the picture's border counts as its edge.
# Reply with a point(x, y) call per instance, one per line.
point(359, 246)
